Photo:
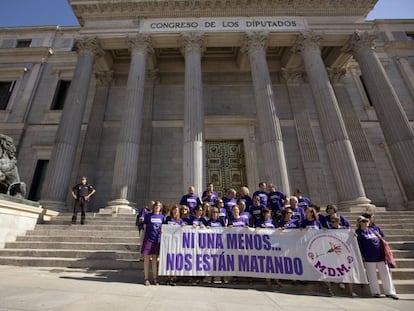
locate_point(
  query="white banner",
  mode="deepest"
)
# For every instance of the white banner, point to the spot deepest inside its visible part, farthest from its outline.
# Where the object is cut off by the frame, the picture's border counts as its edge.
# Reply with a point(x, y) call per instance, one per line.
point(311, 255)
point(220, 24)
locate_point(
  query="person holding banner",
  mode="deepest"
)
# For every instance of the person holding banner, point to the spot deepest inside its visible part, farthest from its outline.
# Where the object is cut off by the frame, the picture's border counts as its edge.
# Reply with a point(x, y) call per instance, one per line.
point(214, 220)
point(332, 210)
point(197, 220)
point(298, 212)
point(256, 211)
point(266, 220)
point(311, 220)
point(243, 212)
point(174, 218)
point(370, 246)
point(236, 220)
point(287, 222)
point(185, 214)
point(151, 245)
point(222, 212)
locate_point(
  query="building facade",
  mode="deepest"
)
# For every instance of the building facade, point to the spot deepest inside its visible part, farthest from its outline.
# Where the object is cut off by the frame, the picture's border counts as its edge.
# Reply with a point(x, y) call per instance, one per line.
point(149, 97)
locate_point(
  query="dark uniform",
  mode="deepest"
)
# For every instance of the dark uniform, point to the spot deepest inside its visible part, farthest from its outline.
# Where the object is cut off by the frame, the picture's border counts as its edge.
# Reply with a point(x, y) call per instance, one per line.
point(81, 191)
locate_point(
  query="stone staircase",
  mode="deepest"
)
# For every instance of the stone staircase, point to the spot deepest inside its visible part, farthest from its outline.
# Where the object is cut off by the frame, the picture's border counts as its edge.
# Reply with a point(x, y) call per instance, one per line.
point(104, 242)
point(109, 242)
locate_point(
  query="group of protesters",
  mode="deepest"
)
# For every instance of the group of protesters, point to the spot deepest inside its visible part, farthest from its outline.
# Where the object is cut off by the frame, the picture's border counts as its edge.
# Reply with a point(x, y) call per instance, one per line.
point(266, 208)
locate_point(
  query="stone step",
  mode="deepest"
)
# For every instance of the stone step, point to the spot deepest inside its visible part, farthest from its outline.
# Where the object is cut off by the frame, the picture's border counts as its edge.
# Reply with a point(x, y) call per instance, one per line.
point(404, 262)
point(95, 222)
point(408, 245)
point(403, 253)
point(396, 238)
point(82, 239)
point(104, 227)
point(404, 286)
point(84, 233)
point(74, 245)
point(403, 274)
point(108, 264)
point(74, 254)
point(389, 232)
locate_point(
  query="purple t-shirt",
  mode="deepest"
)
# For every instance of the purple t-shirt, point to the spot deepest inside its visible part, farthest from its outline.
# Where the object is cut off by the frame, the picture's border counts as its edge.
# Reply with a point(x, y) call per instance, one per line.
point(214, 223)
point(228, 205)
point(212, 200)
point(172, 221)
point(266, 224)
point(197, 221)
point(191, 200)
point(247, 199)
point(141, 217)
point(239, 222)
point(256, 214)
point(246, 215)
point(223, 217)
point(263, 197)
point(342, 221)
point(276, 201)
point(290, 224)
point(370, 245)
point(315, 224)
point(298, 213)
point(304, 202)
point(153, 224)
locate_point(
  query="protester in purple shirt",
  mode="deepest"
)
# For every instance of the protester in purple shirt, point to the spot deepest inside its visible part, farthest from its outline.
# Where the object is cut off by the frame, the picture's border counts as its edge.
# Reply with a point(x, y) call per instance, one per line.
point(209, 195)
point(236, 220)
point(222, 211)
point(243, 211)
point(303, 202)
point(266, 220)
point(287, 222)
point(191, 199)
point(262, 194)
point(256, 210)
point(214, 220)
point(372, 224)
point(245, 195)
point(151, 244)
point(311, 220)
point(298, 212)
point(185, 214)
point(332, 210)
point(277, 201)
point(229, 201)
point(370, 246)
point(174, 218)
point(197, 220)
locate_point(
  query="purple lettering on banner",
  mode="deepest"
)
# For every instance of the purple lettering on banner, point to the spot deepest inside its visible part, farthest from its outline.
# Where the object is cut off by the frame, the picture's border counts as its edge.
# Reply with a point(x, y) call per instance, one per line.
point(279, 265)
point(215, 258)
point(170, 262)
point(231, 241)
point(188, 266)
point(240, 241)
point(269, 265)
point(198, 262)
point(287, 262)
point(266, 242)
point(188, 240)
point(331, 272)
point(210, 240)
point(297, 265)
point(206, 262)
point(253, 264)
point(244, 263)
point(261, 264)
point(319, 266)
point(258, 241)
point(249, 241)
point(342, 269)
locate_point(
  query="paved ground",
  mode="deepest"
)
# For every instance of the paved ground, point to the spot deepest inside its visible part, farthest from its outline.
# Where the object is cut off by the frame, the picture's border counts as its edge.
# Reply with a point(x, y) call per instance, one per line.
point(23, 288)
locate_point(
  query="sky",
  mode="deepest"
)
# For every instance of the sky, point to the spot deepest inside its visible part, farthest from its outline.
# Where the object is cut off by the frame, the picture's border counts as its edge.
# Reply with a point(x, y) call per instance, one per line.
point(58, 12)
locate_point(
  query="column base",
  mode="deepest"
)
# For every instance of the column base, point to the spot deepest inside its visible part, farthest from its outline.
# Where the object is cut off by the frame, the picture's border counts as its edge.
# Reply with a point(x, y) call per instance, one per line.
point(57, 206)
point(119, 206)
point(361, 204)
point(410, 205)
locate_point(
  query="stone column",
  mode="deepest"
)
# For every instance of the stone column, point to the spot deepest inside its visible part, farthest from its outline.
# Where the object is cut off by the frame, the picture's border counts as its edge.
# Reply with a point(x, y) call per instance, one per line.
point(312, 164)
point(344, 167)
point(272, 149)
point(67, 138)
point(393, 120)
point(193, 149)
point(127, 152)
point(90, 152)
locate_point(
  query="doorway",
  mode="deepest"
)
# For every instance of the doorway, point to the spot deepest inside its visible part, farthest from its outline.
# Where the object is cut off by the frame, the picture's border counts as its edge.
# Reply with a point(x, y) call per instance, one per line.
point(225, 165)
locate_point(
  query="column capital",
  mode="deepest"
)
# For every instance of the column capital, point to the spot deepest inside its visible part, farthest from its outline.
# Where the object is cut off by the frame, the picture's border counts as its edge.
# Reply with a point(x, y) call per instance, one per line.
point(104, 78)
point(192, 42)
point(360, 40)
point(293, 76)
point(89, 46)
point(306, 40)
point(336, 74)
point(140, 42)
point(254, 41)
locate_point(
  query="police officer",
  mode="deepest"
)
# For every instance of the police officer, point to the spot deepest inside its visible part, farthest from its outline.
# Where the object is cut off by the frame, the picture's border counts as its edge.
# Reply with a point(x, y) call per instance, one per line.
point(81, 193)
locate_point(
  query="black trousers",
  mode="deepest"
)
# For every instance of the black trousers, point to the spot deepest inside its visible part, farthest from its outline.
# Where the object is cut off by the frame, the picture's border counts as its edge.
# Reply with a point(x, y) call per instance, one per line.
point(80, 205)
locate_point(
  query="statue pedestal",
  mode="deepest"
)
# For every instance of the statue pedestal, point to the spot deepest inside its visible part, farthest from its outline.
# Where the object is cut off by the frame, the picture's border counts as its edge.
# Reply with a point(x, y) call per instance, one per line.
point(18, 215)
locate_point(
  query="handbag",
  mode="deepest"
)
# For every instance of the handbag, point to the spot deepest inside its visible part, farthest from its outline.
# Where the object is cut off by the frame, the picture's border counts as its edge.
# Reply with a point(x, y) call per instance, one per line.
point(387, 252)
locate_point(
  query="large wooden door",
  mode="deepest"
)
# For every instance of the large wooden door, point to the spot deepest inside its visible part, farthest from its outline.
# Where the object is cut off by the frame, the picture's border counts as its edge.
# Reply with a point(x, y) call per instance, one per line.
point(225, 165)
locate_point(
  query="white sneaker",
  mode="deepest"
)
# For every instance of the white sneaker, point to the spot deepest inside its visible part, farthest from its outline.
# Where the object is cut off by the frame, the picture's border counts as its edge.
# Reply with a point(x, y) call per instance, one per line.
point(354, 294)
point(341, 285)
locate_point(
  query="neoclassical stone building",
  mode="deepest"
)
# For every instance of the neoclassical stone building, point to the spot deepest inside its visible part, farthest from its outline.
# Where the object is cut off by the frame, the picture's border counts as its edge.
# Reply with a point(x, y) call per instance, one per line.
point(149, 97)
